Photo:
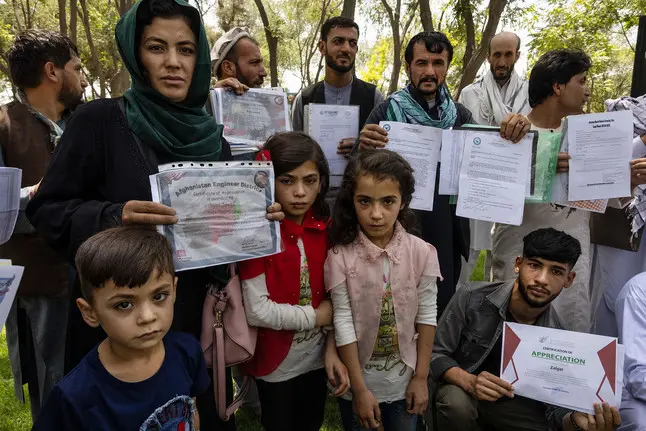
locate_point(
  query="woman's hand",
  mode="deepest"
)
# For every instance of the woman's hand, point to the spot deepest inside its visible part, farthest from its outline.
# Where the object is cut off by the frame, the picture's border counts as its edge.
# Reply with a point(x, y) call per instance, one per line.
point(514, 127)
point(275, 213)
point(147, 213)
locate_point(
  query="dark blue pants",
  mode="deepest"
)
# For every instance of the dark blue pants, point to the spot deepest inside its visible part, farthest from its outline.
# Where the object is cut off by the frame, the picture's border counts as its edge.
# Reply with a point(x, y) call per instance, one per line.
point(394, 417)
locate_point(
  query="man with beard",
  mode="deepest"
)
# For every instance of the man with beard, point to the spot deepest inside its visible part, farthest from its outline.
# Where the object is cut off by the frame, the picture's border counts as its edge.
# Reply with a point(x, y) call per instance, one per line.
point(339, 45)
point(557, 88)
point(490, 99)
point(237, 62)
point(426, 101)
point(467, 349)
point(46, 68)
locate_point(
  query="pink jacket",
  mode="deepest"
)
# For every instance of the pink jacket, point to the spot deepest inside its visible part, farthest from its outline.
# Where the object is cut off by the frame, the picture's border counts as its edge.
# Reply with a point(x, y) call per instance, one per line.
point(360, 266)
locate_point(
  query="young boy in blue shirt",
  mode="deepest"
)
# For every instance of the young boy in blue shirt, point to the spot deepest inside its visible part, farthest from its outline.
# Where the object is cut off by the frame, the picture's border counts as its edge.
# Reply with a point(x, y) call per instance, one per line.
point(141, 377)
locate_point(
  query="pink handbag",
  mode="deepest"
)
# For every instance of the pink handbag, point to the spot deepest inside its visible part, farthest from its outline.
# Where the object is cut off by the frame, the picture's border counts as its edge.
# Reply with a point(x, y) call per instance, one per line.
point(226, 340)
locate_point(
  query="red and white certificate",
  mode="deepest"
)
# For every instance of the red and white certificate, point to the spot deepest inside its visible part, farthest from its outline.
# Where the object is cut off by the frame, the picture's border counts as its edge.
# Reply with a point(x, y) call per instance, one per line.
point(564, 368)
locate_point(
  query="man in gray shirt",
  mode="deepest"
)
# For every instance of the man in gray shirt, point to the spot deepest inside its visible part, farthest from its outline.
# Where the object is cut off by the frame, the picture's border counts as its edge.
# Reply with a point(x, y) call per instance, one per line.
point(339, 45)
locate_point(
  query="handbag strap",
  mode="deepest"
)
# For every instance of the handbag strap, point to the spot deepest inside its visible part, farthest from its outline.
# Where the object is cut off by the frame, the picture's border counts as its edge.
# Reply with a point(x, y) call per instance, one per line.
point(219, 364)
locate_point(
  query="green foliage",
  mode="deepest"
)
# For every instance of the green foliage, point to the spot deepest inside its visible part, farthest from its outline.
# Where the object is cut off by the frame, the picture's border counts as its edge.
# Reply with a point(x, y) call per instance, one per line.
point(602, 29)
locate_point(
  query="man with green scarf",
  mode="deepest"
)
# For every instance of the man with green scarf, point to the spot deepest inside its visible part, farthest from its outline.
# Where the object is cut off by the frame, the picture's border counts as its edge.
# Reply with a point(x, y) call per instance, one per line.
point(426, 101)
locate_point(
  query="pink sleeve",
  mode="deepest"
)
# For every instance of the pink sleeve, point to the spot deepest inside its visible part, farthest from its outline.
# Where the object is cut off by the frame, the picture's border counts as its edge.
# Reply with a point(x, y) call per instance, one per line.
point(334, 268)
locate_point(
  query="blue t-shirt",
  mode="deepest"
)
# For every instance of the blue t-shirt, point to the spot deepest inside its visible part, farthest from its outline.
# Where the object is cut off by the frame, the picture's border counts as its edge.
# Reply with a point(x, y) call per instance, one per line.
point(90, 398)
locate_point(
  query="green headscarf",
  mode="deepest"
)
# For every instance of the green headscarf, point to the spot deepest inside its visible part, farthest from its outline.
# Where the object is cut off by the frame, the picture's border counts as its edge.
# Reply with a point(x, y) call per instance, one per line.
point(176, 131)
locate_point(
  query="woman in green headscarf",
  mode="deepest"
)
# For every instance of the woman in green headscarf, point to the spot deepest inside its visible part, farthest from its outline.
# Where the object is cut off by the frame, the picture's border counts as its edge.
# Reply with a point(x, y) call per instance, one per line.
point(99, 176)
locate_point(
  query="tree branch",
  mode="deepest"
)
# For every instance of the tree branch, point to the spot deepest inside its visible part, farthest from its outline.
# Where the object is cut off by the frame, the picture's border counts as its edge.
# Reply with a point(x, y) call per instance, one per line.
point(425, 15)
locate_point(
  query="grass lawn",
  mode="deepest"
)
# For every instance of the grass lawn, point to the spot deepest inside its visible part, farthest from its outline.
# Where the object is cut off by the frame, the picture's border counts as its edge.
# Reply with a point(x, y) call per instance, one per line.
point(17, 417)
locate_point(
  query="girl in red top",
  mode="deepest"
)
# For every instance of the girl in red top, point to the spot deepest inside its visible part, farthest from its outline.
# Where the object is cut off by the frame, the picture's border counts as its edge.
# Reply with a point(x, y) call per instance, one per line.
point(284, 295)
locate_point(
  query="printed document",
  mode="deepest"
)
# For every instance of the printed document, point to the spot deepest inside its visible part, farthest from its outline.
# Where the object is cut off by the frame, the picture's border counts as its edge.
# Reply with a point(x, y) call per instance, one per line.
point(250, 119)
point(221, 209)
point(328, 125)
point(600, 148)
point(568, 369)
point(493, 177)
point(9, 280)
point(10, 180)
point(420, 146)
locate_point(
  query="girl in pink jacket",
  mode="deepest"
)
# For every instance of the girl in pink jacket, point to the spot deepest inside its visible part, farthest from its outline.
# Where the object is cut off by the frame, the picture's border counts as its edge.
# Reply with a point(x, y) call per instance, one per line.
point(382, 281)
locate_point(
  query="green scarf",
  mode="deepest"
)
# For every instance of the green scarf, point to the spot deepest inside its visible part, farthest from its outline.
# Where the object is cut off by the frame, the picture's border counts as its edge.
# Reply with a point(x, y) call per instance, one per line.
point(405, 109)
point(175, 131)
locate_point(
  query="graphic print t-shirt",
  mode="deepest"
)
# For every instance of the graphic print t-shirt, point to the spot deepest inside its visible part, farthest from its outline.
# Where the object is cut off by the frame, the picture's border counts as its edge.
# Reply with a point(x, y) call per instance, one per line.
point(307, 350)
point(385, 374)
point(90, 398)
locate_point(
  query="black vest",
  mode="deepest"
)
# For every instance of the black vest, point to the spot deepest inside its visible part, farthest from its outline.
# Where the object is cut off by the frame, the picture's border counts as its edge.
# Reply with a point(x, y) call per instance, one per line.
point(361, 94)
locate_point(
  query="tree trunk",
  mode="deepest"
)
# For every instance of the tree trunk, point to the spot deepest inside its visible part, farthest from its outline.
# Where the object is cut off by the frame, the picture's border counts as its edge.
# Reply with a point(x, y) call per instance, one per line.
point(62, 17)
point(124, 6)
point(85, 17)
point(73, 21)
point(272, 43)
point(348, 8)
point(425, 15)
point(470, 67)
point(16, 14)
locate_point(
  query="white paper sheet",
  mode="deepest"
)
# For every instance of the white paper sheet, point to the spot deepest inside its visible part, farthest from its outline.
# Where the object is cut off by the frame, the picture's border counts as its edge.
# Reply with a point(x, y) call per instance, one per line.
point(420, 146)
point(328, 125)
point(493, 177)
point(600, 148)
point(450, 162)
point(10, 179)
point(9, 280)
point(564, 368)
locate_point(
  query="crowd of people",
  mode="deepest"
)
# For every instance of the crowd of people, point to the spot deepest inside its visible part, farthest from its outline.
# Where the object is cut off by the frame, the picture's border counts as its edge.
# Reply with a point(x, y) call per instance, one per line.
point(368, 301)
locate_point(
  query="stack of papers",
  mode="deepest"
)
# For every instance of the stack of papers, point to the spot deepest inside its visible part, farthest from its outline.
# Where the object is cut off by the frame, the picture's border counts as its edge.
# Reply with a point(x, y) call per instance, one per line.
point(10, 179)
point(250, 119)
point(9, 280)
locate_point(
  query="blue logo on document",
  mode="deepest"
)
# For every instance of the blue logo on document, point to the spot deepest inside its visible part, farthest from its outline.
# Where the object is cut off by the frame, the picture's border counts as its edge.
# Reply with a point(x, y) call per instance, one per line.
point(387, 127)
point(477, 141)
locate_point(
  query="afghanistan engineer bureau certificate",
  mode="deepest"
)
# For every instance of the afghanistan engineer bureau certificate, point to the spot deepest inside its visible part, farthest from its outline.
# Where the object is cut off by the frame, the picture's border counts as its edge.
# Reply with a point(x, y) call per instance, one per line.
point(563, 368)
point(221, 208)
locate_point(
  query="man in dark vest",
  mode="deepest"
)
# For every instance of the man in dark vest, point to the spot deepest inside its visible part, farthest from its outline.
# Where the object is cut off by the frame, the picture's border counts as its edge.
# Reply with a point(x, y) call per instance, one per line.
point(426, 101)
point(339, 44)
point(46, 69)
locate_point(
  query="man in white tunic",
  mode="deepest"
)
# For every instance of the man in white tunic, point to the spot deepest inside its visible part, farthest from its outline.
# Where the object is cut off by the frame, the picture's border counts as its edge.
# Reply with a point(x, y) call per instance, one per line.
point(490, 99)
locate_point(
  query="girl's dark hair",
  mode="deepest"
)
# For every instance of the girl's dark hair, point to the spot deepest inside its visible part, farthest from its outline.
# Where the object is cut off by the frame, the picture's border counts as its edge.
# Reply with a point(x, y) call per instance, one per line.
point(381, 164)
point(289, 150)
point(151, 9)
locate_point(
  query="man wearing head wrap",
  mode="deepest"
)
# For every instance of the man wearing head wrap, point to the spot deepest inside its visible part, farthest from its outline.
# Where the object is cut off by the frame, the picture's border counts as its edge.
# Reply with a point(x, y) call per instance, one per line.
point(237, 62)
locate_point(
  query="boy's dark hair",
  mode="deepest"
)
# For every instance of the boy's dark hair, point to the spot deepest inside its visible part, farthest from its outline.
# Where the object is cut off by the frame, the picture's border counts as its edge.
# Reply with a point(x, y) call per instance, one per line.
point(382, 164)
point(337, 22)
point(555, 67)
point(233, 56)
point(32, 49)
point(127, 256)
point(151, 9)
point(552, 244)
point(434, 41)
point(289, 150)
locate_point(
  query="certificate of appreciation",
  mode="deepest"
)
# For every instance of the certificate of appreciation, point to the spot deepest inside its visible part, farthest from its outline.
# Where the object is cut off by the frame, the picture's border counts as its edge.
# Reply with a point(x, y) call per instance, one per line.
point(221, 209)
point(564, 368)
